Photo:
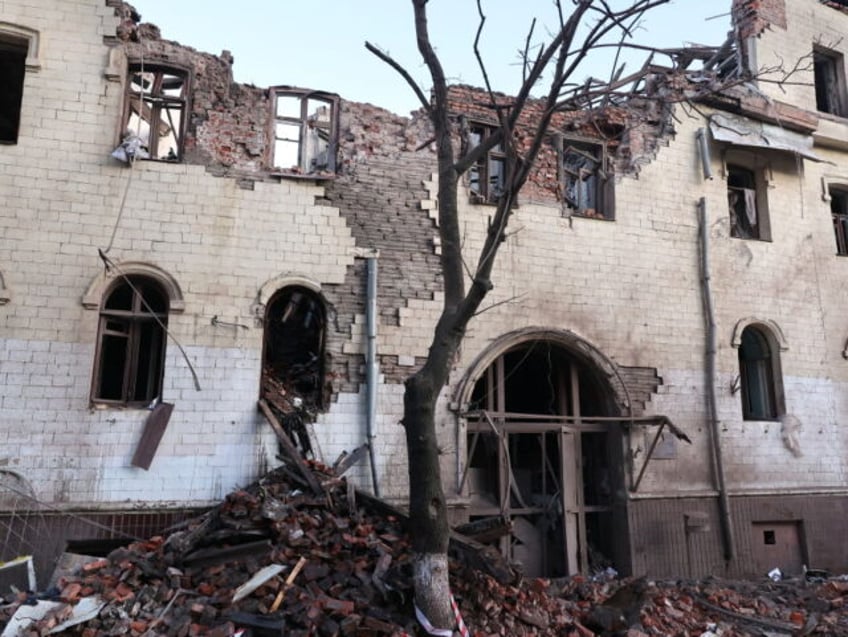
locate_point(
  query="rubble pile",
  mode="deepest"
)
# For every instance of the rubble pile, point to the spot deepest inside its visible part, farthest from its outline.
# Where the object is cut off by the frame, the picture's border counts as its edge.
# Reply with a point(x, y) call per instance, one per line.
point(281, 559)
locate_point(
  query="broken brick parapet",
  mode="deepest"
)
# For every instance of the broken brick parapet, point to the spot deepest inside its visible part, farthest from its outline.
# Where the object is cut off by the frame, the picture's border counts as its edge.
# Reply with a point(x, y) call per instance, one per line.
point(752, 17)
point(631, 133)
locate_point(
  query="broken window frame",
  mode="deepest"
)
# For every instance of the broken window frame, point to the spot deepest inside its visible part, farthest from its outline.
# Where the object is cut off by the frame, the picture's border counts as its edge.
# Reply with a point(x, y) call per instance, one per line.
point(743, 170)
point(838, 196)
point(13, 58)
point(486, 182)
point(829, 82)
point(157, 103)
point(136, 325)
point(760, 378)
point(596, 198)
point(305, 122)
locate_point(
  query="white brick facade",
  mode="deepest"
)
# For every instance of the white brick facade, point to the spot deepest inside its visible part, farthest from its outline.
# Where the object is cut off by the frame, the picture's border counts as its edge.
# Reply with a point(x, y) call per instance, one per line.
point(631, 288)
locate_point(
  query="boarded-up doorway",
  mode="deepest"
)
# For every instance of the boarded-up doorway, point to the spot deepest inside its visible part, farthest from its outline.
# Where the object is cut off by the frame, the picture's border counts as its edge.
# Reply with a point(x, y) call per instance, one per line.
point(537, 458)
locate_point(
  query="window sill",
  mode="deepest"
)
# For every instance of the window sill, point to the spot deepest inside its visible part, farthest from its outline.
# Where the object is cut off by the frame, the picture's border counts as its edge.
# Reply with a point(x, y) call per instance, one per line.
point(160, 161)
point(578, 215)
point(475, 200)
point(322, 176)
point(96, 405)
point(832, 117)
point(757, 239)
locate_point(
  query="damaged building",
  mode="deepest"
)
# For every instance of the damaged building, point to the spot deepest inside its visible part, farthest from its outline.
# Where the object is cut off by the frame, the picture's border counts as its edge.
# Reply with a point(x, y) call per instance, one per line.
point(658, 381)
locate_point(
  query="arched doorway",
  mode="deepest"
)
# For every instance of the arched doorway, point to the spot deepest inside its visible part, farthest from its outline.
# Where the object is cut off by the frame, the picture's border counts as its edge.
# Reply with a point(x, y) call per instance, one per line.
point(293, 359)
point(544, 451)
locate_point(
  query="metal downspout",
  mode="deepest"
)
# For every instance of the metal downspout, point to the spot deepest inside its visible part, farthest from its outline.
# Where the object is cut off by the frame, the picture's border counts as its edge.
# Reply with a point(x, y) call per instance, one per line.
point(710, 374)
point(372, 369)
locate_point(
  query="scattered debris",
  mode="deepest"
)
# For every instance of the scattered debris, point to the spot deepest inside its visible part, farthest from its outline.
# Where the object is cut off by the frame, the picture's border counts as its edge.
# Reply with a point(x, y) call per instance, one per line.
point(279, 558)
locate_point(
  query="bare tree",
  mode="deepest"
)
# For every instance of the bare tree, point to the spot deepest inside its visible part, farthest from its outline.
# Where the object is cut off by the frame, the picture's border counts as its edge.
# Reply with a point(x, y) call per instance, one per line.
point(549, 70)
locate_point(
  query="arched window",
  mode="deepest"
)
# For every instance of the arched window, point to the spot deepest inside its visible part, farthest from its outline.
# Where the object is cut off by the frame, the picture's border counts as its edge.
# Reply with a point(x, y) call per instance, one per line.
point(130, 360)
point(759, 374)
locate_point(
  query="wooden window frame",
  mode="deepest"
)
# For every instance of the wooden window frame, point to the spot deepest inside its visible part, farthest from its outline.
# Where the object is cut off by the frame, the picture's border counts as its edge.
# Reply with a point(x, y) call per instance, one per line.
point(767, 402)
point(304, 122)
point(481, 186)
point(134, 320)
point(829, 82)
point(838, 197)
point(158, 103)
point(603, 190)
point(751, 168)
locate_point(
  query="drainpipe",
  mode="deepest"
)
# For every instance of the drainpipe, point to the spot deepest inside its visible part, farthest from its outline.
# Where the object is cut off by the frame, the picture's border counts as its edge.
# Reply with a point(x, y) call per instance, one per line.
point(372, 369)
point(710, 374)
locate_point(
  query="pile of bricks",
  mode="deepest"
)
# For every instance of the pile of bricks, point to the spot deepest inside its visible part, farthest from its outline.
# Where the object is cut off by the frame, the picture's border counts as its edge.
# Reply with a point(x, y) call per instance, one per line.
point(277, 559)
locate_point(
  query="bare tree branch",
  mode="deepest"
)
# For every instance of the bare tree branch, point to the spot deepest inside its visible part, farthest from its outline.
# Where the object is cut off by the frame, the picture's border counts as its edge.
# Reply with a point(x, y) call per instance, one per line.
point(403, 72)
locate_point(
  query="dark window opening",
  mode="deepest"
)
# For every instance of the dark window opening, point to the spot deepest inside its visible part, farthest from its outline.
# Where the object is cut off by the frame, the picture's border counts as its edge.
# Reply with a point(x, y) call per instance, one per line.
point(13, 54)
point(742, 202)
point(131, 343)
point(305, 131)
point(769, 538)
point(829, 78)
point(293, 359)
point(757, 370)
point(487, 177)
point(587, 183)
point(156, 110)
point(839, 213)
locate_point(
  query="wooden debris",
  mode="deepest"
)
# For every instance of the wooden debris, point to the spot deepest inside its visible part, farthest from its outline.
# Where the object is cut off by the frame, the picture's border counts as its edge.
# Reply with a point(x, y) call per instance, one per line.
point(293, 456)
point(350, 576)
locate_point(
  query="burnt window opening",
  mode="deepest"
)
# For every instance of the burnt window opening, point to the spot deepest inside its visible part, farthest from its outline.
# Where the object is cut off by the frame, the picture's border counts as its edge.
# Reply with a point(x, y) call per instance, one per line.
point(839, 213)
point(759, 375)
point(13, 55)
point(829, 79)
point(131, 338)
point(305, 131)
point(746, 203)
point(587, 184)
point(487, 177)
point(293, 359)
point(769, 537)
point(156, 109)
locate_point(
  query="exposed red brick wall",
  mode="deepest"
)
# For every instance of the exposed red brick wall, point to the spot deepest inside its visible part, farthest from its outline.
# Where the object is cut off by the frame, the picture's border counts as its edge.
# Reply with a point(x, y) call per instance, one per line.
point(631, 134)
point(752, 17)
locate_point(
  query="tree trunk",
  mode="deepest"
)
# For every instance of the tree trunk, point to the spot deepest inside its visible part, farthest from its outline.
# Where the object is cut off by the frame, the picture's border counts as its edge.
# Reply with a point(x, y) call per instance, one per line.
point(427, 504)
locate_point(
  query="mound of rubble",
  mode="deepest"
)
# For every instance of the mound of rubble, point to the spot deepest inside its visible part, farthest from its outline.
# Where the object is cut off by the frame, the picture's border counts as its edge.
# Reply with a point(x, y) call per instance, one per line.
point(280, 558)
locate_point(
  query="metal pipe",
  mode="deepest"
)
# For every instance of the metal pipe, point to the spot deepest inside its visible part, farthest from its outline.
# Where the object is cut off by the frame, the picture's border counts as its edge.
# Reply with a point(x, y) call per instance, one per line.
point(710, 373)
point(704, 150)
point(372, 368)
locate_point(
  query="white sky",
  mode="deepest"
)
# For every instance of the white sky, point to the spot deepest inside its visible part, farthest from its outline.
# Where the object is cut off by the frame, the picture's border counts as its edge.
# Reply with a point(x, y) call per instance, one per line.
point(320, 45)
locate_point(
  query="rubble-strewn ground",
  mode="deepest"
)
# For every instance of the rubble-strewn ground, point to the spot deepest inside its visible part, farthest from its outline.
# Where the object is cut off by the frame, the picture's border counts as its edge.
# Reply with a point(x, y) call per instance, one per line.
point(343, 569)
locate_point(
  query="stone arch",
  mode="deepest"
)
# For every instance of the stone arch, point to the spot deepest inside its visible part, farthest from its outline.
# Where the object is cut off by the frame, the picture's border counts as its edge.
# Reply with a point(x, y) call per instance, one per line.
point(93, 296)
point(540, 415)
point(274, 285)
point(606, 370)
point(770, 327)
